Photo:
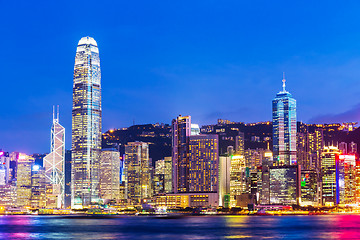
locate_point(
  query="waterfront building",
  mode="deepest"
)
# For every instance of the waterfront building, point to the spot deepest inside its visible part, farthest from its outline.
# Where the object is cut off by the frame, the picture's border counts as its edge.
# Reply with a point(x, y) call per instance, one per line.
point(357, 180)
point(168, 175)
point(8, 196)
point(23, 179)
point(238, 178)
point(263, 188)
point(54, 162)
point(330, 176)
point(137, 172)
point(109, 175)
point(67, 194)
point(38, 187)
point(163, 176)
point(310, 194)
point(4, 168)
point(224, 181)
point(86, 124)
point(339, 177)
point(347, 178)
point(181, 131)
point(284, 184)
point(284, 128)
point(183, 200)
point(203, 163)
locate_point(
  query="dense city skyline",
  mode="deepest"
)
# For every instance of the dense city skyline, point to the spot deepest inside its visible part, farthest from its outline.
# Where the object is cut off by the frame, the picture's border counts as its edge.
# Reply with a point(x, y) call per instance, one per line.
point(236, 51)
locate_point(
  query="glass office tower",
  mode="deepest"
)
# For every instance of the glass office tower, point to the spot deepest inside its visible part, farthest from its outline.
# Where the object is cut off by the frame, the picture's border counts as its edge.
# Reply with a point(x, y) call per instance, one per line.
point(284, 128)
point(86, 124)
point(54, 162)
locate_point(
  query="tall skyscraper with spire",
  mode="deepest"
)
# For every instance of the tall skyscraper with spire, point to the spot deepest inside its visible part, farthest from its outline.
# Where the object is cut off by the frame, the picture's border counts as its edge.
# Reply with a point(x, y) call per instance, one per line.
point(86, 125)
point(54, 162)
point(284, 127)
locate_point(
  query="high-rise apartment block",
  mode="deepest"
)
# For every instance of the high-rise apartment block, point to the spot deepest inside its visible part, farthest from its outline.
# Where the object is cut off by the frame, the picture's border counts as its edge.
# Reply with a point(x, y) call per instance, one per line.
point(86, 124)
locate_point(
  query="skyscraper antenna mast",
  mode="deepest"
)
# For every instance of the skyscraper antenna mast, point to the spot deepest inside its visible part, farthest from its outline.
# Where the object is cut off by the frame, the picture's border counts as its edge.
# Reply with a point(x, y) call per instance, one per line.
point(284, 80)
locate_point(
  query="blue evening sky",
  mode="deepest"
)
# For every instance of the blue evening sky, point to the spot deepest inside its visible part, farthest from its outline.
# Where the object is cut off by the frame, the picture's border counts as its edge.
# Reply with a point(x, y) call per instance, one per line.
point(208, 59)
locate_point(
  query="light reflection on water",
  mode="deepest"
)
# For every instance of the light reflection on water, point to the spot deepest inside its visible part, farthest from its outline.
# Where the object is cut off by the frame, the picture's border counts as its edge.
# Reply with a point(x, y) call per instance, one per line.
point(196, 227)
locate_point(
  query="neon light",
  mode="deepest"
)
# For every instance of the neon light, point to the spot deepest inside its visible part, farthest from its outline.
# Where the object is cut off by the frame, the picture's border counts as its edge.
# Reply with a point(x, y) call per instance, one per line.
point(347, 157)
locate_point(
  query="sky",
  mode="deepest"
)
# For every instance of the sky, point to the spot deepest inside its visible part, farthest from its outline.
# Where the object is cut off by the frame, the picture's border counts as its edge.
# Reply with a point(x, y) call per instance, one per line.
point(160, 59)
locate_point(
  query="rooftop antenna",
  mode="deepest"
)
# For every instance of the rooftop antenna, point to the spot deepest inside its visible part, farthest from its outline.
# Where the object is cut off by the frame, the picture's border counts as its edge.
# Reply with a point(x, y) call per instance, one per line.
point(53, 112)
point(58, 112)
point(284, 80)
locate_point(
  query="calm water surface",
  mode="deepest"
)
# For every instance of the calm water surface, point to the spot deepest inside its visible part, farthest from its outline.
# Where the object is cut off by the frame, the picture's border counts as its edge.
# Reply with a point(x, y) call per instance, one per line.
point(197, 227)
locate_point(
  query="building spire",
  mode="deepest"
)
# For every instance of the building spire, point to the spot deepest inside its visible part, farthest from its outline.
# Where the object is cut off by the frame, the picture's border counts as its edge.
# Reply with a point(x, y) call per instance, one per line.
point(284, 80)
point(53, 112)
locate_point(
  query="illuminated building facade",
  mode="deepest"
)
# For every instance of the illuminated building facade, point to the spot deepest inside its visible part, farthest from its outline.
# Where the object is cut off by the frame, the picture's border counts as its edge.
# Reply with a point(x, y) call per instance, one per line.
point(23, 176)
point(8, 196)
point(253, 158)
point(284, 184)
point(168, 175)
point(137, 172)
point(339, 177)
point(310, 143)
point(54, 162)
point(184, 200)
point(224, 181)
point(181, 131)
point(284, 128)
point(86, 124)
point(163, 176)
point(110, 175)
point(309, 188)
point(38, 187)
point(348, 161)
point(357, 181)
point(240, 143)
point(203, 163)
point(263, 182)
point(238, 178)
point(4, 168)
point(330, 176)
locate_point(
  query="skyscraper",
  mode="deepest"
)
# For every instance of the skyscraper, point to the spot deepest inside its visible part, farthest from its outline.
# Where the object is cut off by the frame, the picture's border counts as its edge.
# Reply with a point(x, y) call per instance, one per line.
point(181, 131)
point(137, 172)
point(54, 162)
point(86, 124)
point(330, 176)
point(23, 177)
point(203, 163)
point(110, 175)
point(284, 128)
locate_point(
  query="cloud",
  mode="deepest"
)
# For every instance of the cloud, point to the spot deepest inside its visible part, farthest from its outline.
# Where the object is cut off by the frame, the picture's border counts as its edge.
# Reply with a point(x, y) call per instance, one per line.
point(352, 115)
